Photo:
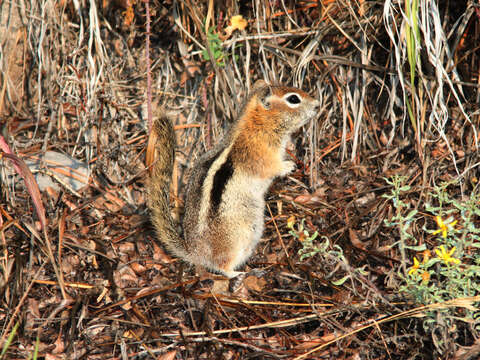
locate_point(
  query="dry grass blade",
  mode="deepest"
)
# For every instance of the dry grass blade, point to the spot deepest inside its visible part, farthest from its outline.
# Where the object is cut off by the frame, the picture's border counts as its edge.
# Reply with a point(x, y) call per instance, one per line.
point(271, 325)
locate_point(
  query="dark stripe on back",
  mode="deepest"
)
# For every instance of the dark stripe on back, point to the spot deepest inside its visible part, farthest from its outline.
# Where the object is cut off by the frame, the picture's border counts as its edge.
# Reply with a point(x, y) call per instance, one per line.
point(222, 176)
point(205, 164)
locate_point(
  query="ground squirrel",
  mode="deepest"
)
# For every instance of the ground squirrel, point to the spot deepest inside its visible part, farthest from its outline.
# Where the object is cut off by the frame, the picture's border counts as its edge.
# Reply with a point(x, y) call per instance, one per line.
point(225, 203)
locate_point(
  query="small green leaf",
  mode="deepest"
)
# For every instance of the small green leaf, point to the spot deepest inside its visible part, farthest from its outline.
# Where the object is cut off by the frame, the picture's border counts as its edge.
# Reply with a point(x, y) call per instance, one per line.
point(341, 281)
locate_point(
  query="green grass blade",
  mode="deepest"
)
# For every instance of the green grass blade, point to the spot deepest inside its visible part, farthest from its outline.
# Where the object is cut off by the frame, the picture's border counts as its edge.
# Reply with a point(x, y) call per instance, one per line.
point(9, 340)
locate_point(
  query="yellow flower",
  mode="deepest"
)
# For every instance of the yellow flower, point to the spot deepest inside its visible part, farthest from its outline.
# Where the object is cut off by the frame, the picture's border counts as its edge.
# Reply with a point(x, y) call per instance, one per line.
point(443, 227)
point(237, 22)
point(414, 268)
point(291, 222)
point(446, 256)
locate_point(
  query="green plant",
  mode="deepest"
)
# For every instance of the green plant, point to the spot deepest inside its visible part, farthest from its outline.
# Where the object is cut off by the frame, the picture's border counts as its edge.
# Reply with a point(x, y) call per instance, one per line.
point(451, 268)
point(324, 249)
point(215, 44)
point(399, 220)
point(303, 235)
point(216, 48)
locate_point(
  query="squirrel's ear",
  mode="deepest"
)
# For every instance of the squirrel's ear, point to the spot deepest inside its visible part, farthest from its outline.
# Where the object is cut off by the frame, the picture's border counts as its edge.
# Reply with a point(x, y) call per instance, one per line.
point(259, 84)
point(264, 92)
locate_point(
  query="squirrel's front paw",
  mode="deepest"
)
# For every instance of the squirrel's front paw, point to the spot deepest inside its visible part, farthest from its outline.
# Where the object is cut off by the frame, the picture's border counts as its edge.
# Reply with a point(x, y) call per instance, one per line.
point(287, 167)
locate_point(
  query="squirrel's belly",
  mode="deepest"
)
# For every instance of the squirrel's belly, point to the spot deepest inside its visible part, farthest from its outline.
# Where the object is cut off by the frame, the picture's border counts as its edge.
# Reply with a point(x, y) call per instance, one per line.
point(242, 209)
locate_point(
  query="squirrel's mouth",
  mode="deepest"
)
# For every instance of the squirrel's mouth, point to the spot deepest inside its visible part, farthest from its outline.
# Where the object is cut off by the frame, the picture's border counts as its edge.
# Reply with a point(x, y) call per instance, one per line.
point(309, 115)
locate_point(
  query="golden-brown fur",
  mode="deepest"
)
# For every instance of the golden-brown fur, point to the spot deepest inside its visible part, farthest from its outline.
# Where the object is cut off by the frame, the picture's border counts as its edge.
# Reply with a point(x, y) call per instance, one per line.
point(225, 196)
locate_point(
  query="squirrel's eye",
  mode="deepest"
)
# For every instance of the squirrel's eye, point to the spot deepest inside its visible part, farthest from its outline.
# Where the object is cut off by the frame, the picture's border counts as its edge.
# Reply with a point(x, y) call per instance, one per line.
point(294, 99)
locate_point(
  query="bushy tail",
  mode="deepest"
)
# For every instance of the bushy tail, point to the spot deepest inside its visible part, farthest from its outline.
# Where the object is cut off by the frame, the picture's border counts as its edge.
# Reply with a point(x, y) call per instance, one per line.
point(158, 184)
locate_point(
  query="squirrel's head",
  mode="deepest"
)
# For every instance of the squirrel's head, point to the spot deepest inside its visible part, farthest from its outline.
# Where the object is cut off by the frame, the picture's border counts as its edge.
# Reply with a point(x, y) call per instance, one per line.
point(281, 108)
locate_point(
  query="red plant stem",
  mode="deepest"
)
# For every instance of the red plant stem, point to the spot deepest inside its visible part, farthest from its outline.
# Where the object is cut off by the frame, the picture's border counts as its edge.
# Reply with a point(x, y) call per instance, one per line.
point(22, 169)
point(147, 58)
